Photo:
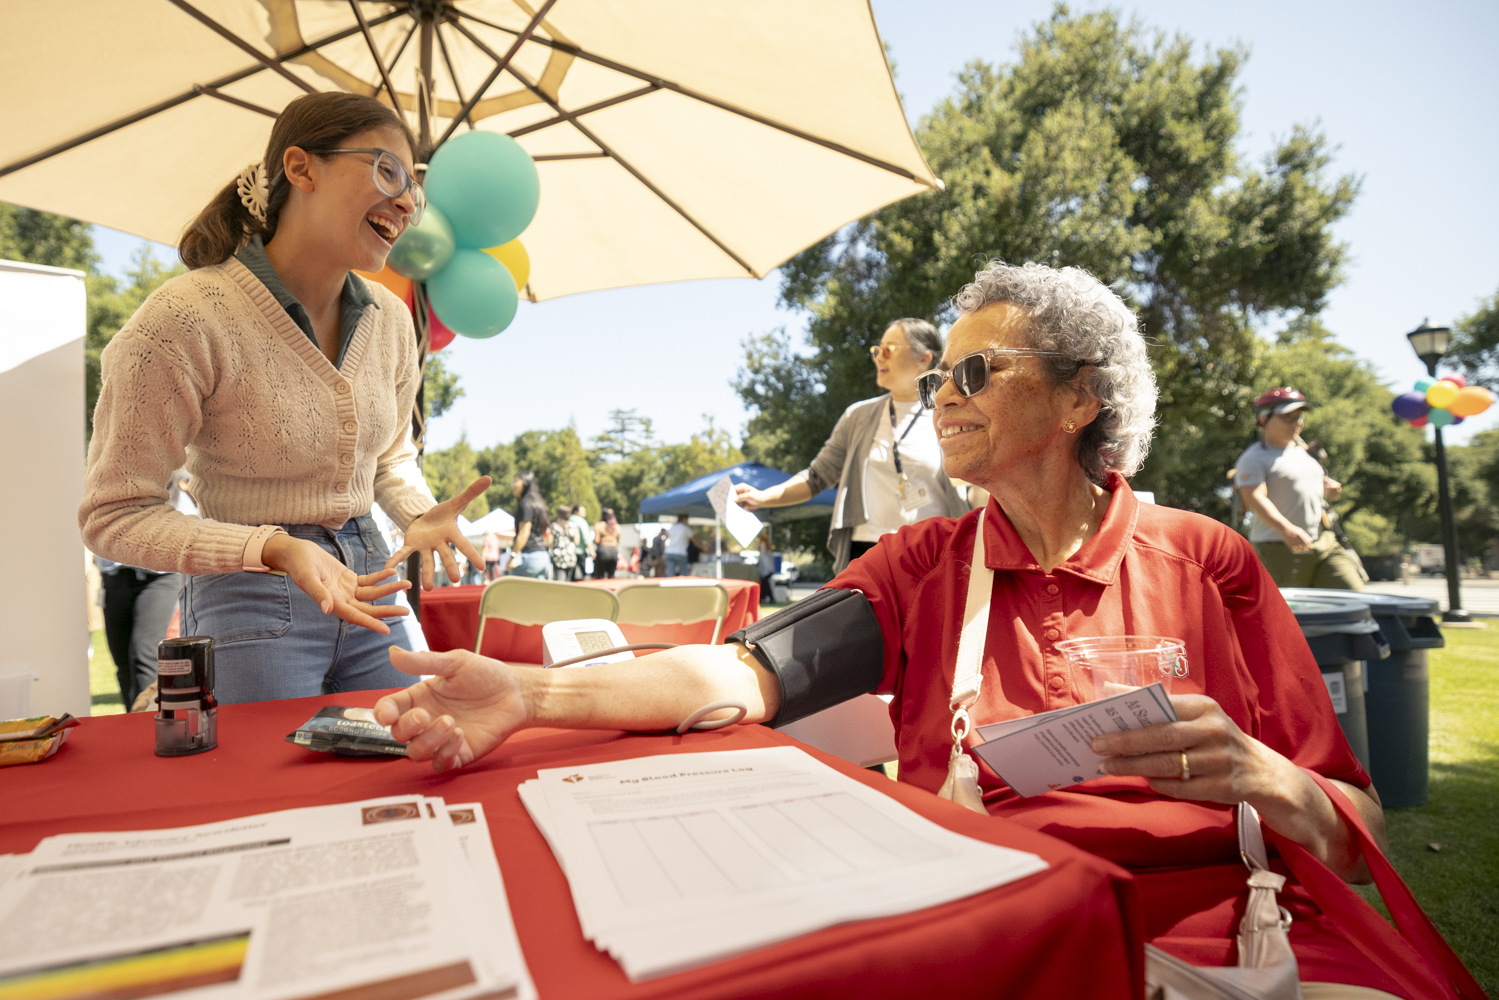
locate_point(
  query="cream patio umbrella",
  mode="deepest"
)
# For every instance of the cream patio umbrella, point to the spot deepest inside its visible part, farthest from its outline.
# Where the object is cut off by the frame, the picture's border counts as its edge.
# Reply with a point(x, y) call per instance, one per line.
point(675, 139)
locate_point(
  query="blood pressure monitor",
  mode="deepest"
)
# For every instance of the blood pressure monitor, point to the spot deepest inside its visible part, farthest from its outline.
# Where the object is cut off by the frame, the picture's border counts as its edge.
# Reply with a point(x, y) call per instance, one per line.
point(581, 637)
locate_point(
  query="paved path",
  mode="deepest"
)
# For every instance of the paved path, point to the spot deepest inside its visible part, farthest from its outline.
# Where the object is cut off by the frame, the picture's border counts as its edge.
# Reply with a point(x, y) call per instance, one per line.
point(1480, 597)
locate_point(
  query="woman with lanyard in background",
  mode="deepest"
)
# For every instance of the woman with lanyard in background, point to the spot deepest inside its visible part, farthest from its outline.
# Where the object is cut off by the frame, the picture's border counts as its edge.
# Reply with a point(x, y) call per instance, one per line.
point(883, 454)
point(285, 383)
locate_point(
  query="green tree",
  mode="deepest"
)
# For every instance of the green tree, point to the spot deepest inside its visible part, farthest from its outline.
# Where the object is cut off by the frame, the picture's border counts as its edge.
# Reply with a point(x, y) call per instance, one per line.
point(628, 433)
point(449, 471)
point(34, 237)
point(563, 470)
point(1105, 147)
point(440, 387)
point(1475, 344)
point(623, 484)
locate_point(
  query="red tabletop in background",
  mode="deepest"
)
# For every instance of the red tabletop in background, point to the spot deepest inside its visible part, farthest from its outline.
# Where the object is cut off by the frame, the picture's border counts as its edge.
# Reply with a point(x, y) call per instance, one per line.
point(450, 620)
point(1073, 930)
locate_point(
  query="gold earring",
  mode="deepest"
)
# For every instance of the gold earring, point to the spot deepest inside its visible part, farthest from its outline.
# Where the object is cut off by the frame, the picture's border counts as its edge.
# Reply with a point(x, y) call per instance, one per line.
point(1070, 426)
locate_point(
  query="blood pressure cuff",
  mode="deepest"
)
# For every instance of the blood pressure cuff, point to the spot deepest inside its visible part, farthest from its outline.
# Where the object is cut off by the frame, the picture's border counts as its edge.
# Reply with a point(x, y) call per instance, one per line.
point(824, 649)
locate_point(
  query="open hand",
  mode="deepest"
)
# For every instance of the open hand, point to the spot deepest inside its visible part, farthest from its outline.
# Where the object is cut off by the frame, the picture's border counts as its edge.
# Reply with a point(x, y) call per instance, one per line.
point(470, 707)
point(335, 587)
point(435, 530)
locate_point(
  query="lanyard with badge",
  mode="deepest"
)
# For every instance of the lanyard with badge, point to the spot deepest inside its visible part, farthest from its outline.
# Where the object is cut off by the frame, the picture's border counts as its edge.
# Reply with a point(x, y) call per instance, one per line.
point(913, 496)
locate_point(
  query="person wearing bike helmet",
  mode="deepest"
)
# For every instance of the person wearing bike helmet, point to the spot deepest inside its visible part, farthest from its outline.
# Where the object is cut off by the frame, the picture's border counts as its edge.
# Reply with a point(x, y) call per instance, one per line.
point(1283, 487)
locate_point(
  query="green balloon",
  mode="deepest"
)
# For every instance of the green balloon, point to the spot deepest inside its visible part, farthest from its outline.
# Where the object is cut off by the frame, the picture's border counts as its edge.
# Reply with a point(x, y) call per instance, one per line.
point(1439, 417)
point(474, 295)
point(423, 249)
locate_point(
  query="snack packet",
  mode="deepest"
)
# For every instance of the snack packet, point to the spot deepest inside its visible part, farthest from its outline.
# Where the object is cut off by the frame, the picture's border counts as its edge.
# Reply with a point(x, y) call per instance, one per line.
point(28, 741)
point(351, 732)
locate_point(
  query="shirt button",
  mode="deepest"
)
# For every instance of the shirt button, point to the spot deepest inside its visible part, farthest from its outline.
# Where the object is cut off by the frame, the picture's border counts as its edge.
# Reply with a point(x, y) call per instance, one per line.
point(343, 387)
point(340, 487)
point(350, 427)
point(1052, 633)
point(1057, 683)
point(1052, 588)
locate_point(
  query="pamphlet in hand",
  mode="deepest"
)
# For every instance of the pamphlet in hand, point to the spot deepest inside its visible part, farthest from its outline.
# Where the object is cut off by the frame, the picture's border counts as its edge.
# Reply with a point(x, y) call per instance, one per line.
point(743, 525)
point(1052, 750)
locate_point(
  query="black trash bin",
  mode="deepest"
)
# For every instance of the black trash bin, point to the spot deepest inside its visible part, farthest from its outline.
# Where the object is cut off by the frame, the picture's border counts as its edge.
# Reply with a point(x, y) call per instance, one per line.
point(1396, 703)
point(1342, 633)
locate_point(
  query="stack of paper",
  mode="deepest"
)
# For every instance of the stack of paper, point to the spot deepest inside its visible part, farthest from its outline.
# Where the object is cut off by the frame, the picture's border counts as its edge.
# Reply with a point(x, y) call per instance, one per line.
point(1041, 753)
point(683, 859)
point(398, 898)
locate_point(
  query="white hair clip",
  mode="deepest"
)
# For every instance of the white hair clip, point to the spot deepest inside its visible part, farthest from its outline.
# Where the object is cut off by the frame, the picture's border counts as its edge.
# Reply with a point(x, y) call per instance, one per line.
point(254, 192)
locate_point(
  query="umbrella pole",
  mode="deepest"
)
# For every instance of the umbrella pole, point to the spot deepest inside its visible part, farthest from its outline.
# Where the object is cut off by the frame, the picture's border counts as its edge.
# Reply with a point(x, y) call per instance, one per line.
point(717, 549)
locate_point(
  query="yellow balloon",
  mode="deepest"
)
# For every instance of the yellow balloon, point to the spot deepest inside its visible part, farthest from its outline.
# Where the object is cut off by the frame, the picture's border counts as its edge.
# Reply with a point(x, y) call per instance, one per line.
point(1471, 401)
point(1441, 393)
point(515, 259)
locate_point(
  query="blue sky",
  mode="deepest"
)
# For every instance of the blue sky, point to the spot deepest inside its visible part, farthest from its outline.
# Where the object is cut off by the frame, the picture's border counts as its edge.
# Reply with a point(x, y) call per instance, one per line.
point(1405, 92)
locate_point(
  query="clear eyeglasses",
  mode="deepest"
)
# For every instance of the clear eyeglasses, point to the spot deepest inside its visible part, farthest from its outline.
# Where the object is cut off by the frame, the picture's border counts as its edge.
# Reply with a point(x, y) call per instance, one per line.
point(391, 177)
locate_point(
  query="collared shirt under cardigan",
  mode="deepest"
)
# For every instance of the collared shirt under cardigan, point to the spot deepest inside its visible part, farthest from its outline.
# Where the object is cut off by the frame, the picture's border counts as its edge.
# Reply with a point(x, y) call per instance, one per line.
point(354, 299)
point(1149, 570)
point(213, 370)
point(841, 462)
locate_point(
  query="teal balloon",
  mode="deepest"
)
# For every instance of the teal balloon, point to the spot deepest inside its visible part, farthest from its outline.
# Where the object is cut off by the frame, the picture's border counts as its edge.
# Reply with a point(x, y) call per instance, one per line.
point(424, 249)
point(487, 186)
point(474, 295)
point(1439, 417)
point(1422, 384)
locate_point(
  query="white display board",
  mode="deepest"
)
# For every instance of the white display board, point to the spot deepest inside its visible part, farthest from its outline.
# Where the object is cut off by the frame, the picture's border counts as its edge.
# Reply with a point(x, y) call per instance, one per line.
point(43, 316)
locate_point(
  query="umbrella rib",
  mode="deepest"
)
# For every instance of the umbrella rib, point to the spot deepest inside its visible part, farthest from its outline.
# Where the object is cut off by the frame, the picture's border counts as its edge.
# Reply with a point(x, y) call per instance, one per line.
point(691, 94)
point(452, 74)
point(547, 157)
point(590, 109)
point(172, 102)
point(390, 88)
point(220, 95)
point(230, 37)
point(500, 63)
point(571, 118)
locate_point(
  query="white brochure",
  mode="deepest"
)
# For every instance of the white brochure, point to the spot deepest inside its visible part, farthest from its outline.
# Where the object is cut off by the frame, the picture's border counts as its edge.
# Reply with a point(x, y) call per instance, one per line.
point(743, 525)
point(681, 859)
point(1041, 753)
point(373, 896)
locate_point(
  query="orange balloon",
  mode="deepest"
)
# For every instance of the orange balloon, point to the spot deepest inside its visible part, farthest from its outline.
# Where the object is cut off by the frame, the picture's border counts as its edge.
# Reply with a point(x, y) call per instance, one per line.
point(1470, 401)
point(400, 284)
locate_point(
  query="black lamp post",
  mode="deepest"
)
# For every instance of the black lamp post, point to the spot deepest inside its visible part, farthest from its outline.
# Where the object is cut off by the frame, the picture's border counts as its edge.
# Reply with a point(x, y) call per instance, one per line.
point(1430, 344)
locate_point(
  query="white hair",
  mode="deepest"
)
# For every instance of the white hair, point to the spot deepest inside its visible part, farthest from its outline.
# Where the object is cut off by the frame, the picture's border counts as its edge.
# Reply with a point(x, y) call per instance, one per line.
point(1078, 316)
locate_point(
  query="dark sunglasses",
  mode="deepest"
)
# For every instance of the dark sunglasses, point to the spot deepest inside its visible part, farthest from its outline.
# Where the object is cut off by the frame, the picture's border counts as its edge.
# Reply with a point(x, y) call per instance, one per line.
point(970, 373)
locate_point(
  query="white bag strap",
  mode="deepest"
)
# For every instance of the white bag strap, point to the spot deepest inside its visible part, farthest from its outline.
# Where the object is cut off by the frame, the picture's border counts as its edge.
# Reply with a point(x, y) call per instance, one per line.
point(968, 670)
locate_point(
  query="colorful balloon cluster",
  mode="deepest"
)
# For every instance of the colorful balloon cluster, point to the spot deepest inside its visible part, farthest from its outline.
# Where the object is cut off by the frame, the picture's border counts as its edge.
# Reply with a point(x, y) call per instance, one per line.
point(1441, 402)
point(482, 191)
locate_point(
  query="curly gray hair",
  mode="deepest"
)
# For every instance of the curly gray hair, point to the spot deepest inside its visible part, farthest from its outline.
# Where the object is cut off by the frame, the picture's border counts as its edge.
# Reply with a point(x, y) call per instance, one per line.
point(1078, 316)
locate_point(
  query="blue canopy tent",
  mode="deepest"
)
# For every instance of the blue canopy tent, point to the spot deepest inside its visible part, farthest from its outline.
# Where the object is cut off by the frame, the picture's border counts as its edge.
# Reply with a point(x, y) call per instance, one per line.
point(691, 498)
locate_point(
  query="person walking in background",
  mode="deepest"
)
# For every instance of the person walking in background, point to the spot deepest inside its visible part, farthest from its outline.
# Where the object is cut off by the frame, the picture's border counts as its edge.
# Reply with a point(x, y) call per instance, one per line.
point(562, 545)
point(1283, 487)
point(138, 607)
point(677, 537)
point(491, 555)
point(579, 521)
point(528, 556)
point(767, 567)
point(658, 555)
point(606, 546)
point(883, 454)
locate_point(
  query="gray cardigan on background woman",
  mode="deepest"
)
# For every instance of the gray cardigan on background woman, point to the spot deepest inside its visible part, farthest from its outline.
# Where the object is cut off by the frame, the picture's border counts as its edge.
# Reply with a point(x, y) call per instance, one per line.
point(841, 463)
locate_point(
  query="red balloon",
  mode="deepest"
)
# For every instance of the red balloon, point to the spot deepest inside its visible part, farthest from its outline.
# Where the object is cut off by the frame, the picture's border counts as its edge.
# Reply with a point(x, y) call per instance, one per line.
point(1457, 380)
point(1420, 421)
point(441, 336)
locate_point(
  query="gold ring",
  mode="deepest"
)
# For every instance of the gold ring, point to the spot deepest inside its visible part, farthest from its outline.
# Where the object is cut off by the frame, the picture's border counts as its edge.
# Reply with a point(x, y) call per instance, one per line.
point(1186, 768)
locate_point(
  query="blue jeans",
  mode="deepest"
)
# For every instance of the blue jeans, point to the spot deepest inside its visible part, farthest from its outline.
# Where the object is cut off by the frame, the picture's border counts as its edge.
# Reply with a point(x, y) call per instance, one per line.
point(676, 565)
point(273, 641)
point(534, 564)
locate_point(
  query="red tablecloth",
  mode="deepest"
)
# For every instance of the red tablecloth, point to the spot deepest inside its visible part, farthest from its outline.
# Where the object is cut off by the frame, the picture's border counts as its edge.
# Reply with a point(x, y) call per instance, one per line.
point(450, 620)
point(1073, 930)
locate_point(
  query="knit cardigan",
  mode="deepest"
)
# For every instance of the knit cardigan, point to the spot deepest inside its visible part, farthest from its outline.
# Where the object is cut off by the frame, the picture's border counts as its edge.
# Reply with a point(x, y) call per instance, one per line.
point(213, 373)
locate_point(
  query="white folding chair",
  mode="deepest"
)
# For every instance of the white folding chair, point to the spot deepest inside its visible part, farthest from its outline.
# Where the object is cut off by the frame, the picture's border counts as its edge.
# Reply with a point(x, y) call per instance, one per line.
point(656, 604)
point(525, 601)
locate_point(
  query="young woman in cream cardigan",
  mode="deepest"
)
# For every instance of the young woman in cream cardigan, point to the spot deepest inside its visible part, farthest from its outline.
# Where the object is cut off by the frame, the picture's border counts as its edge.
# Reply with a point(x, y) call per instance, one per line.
point(285, 384)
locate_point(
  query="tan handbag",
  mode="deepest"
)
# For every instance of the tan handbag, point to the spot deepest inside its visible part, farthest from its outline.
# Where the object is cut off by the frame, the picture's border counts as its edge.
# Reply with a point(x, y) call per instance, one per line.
point(1267, 966)
point(962, 784)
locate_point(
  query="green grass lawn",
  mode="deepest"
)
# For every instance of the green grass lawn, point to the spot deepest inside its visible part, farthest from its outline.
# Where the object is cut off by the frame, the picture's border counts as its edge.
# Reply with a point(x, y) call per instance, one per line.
point(1458, 885)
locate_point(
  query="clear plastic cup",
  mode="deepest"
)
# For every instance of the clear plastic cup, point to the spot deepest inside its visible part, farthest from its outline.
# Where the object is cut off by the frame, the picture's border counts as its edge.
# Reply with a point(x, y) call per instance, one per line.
point(1102, 667)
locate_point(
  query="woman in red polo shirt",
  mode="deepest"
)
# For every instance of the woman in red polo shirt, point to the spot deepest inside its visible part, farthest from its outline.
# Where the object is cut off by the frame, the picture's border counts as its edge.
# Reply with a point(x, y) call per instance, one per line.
point(1046, 399)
